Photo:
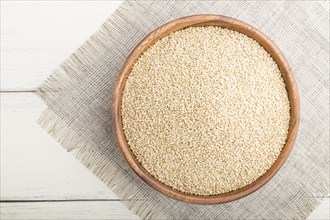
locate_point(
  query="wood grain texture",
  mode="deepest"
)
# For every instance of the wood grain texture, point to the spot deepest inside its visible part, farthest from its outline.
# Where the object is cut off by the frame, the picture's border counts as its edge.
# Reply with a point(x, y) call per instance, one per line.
point(37, 36)
point(33, 165)
point(111, 210)
point(30, 49)
point(204, 20)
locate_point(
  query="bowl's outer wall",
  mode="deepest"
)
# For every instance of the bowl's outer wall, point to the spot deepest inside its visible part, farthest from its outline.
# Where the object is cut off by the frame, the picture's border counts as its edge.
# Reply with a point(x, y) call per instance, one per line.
point(205, 20)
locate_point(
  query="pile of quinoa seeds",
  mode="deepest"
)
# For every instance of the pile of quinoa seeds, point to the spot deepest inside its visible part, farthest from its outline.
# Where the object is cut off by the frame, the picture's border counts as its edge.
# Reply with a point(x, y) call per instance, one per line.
point(205, 110)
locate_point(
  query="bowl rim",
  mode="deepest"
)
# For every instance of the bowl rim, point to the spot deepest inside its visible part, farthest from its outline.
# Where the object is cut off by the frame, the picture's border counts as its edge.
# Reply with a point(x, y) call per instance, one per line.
point(205, 20)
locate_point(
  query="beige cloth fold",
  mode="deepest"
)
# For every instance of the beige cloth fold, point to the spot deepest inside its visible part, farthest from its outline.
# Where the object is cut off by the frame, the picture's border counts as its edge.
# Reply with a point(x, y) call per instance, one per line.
point(78, 95)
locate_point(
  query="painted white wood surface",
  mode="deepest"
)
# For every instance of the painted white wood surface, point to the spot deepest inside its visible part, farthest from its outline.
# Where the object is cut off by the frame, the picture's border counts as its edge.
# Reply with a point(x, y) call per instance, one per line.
point(33, 165)
point(66, 210)
point(40, 180)
point(37, 36)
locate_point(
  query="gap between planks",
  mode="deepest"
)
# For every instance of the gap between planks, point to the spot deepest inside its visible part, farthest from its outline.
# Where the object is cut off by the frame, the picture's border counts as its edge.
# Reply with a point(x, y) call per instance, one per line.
point(17, 91)
point(70, 200)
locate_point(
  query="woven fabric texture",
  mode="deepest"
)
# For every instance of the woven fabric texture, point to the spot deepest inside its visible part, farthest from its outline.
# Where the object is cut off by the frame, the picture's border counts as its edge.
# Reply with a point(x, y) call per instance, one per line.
point(78, 95)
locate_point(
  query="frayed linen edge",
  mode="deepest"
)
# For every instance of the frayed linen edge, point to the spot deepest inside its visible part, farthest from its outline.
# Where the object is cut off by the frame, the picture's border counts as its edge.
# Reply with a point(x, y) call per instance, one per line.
point(99, 165)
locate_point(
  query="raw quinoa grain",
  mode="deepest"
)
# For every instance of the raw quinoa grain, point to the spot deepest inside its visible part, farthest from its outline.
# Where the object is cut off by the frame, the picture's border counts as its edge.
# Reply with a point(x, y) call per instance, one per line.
point(205, 110)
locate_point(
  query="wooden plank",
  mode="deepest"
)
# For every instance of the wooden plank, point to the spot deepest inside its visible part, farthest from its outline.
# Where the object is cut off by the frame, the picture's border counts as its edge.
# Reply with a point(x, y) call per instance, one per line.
point(93, 210)
point(322, 211)
point(33, 165)
point(66, 210)
point(36, 36)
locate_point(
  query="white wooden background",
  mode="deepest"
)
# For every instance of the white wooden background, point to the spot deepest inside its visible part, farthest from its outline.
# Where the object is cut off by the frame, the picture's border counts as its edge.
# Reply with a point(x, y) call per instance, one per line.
point(40, 180)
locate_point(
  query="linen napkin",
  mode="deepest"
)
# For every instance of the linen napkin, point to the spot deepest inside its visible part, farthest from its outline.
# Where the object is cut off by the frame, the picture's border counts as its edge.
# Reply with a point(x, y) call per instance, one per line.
point(78, 95)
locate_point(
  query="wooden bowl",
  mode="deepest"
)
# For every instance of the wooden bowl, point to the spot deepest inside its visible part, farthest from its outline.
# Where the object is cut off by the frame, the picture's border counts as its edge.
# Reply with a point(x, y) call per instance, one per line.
point(204, 20)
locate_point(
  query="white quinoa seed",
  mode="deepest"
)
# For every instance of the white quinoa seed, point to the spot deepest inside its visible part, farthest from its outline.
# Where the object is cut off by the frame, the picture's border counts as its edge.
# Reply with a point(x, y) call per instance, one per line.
point(205, 110)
